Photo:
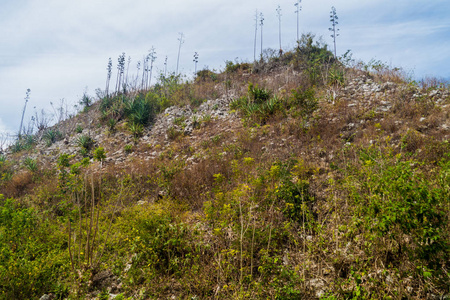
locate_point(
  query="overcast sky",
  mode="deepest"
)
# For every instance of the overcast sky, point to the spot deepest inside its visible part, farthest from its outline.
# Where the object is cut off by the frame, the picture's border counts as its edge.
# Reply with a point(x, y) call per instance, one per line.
point(58, 49)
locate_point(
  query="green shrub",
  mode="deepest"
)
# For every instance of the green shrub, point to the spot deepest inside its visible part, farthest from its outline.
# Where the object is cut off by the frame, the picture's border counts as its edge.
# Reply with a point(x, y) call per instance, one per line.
point(85, 101)
point(17, 146)
point(398, 206)
point(163, 244)
point(305, 100)
point(32, 258)
point(205, 74)
point(100, 154)
point(231, 67)
point(258, 106)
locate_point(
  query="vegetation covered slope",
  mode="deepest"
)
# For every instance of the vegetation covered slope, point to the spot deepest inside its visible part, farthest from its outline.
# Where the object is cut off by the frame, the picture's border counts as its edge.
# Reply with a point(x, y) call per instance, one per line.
point(309, 177)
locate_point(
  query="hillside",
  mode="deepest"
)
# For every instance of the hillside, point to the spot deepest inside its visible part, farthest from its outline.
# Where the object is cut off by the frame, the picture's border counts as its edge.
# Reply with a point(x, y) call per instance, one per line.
point(295, 177)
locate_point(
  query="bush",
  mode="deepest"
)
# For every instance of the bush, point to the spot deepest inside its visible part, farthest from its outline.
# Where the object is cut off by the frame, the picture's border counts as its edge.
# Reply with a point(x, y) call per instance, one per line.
point(403, 211)
point(161, 242)
point(305, 100)
point(257, 95)
point(258, 106)
point(205, 74)
point(140, 111)
point(231, 67)
point(100, 154)
point(112, 125)
point(31, 260)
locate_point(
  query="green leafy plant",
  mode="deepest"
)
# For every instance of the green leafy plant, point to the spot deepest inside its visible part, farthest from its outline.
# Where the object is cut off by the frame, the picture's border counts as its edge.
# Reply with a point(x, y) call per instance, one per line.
point(25, 252)
point(99, 154)
point(305, 100)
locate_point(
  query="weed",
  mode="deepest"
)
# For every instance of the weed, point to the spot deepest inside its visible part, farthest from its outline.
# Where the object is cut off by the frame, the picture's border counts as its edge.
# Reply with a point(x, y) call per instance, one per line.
point(173, 133)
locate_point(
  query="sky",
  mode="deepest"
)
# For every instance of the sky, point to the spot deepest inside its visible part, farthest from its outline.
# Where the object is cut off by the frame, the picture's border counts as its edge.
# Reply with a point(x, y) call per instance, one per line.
point(60, 49)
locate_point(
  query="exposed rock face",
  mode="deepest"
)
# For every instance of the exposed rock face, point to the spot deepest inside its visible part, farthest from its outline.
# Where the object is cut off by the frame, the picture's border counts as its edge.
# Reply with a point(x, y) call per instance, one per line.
point(360, 92)
point(180, 120)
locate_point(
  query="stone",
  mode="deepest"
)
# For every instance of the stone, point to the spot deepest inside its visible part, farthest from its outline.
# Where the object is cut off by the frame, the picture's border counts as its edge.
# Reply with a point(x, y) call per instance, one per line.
point(318, 285)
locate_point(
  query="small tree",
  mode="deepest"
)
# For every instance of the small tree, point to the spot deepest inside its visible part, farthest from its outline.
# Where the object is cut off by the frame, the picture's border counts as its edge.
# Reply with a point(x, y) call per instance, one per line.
point(100, 155)
point(297, 11)
point(334, 30)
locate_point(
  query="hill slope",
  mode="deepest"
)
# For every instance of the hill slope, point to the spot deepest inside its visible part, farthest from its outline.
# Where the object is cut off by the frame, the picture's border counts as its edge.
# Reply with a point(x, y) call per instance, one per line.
point(293, 178)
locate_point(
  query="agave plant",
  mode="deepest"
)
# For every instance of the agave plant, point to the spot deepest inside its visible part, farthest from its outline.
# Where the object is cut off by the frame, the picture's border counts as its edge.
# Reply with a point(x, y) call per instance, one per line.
point(30, 164)
point(112, 125)
point(136, 129)
point(52, 135)
point(85, 142)
point(17, 146)
point(139, 111)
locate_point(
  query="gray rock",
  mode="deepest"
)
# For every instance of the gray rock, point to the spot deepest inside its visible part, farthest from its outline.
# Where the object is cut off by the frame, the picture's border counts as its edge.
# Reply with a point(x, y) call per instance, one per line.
point(47, 297)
